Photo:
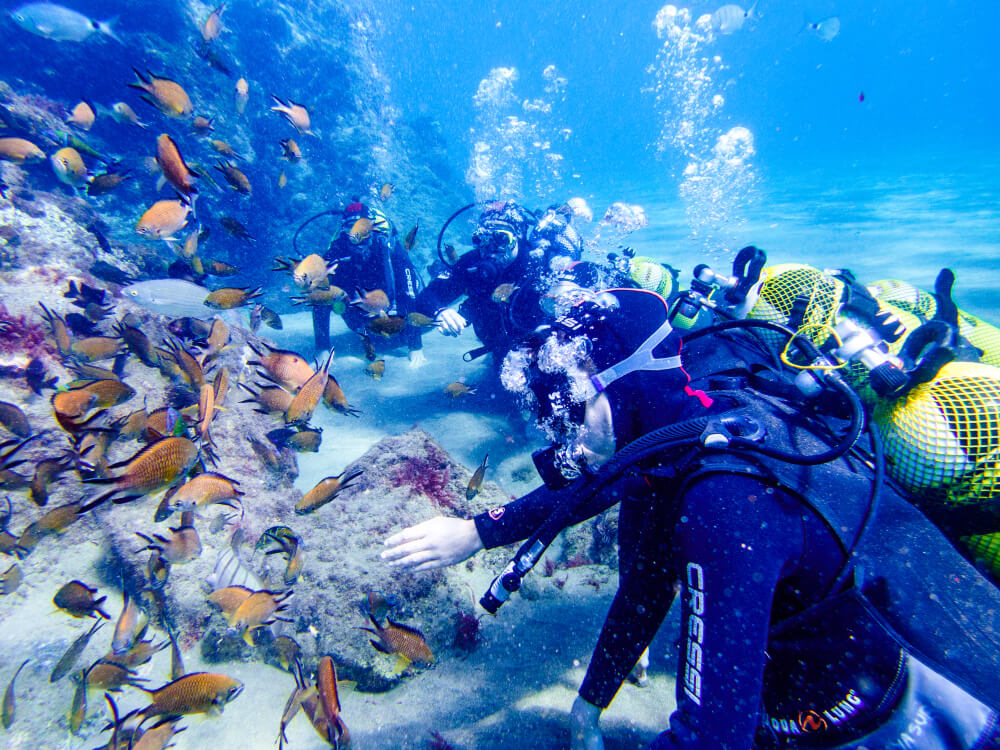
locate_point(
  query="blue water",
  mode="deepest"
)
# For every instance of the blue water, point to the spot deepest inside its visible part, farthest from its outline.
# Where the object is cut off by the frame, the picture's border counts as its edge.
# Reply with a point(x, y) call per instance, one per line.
point(876, 150)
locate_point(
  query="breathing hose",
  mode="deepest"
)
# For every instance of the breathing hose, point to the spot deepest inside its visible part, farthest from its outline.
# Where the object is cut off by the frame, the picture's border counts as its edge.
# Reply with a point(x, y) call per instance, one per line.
point(307, 222)
point(447, 223)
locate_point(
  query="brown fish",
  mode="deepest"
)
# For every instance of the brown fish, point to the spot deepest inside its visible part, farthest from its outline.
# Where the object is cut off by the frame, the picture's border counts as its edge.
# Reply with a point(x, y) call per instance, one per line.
point(183, 546)
point(307, 399)
point(105, 182)
point(287, 649)
point(174, 168)
point(96, 348)
point(267, 455)
point(82, 115)
point(157, 571)
point(325, 491)
point(60, 333)
point(387, 325)
point(139, 653)
point(284, 367)
point(78, 708)
point(296, 114)
point(312, 272)
point(157, 465)
point(292, 548)
point(157, 737)
point(360, 231)
point(290, 150)
point(12, 418)
point(394, 638)
point(202, 124)
point(213, 28)
point(237, 180)
point(47, 471)
point(206, 410)
point(138, 343)
point(10, 580)
point(304, 440)
point(419, 320)
point(192, 372)
point(386, 191)
point(258, 610)
point(504, 292)
point(205, 489)
point(77, 599)
point(456, 389)
point(68, 660)
point(477, 479)
point(176, 661)
point(411, 238)
point(106, 675)
point(326, 687)
point(220, 268)
point(20, 151)
point(9, 706)
point(127, 626)
point(163, 220)
point(124, 114)
point(237, 230)
point(274, 400)
point(108, 393)
point(222, 147)
point(55, 521)
point(372, 303)
point(221, 385)
point(167, 96)
point(333, 396)
point(322, 297)
point(376, 369)
point(195, 693)
point(229, 599)
point(228, 298)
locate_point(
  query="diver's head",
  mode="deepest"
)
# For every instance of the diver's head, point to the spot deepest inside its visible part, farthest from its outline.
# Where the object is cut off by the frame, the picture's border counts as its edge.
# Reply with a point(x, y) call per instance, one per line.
point(497, 242)
point(588, 377)
point(357, 225)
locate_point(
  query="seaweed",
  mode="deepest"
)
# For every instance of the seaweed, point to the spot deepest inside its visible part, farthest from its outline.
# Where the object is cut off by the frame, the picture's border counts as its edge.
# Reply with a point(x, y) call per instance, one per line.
point(427, 475)
point(22, 334)
point(467, 631)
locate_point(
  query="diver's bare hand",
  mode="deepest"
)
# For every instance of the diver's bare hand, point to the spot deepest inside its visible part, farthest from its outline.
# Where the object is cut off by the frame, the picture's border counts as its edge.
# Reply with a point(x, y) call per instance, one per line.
point(450, 322)
point(434, 543)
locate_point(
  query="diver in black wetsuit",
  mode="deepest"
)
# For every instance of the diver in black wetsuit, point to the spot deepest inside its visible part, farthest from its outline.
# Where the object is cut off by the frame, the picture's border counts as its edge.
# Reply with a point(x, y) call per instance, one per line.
point(504, 276)
point(370, 258)
point(779, 649)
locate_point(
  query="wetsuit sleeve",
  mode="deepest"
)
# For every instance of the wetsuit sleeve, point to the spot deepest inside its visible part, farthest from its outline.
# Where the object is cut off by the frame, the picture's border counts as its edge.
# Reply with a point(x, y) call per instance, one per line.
point(440, 293)
point(731, 546)
point(520, 518)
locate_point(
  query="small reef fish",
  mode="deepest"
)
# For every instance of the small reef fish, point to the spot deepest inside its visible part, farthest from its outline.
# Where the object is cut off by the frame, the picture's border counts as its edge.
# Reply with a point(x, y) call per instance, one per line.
point(82, 115)
point(9, 704)
point(127, 626)
point(96, 348)
point(730, 18)
point(14, 420)
point(208, 488)
point(105, 182)
point(827, 29)
point(229, 599)
point(230, 569)
point(124, 114)
point(20, 151)
point(202, 124)
point(157, 571)
point(236, 229)
point(107, 675)
point(163, 220)
point(307, 399)
point(287, 649)
point(282, 179)
point(157, 737)
point(477, 479)
point(229, 297)
point(60, 333)
point(224, 148)
point(258, 610)
point(108, 393)
point(220, 268)
point(457, 389)
point(296, 114)
point(176, 661)
point(411, 238)
point(419, 320)
point(286, 368)
point(242, 95)
point(407, 642)
point(504, 292)
point(266, 454)
point(55, 521)
point(273, 400)
point(78, 708)
point(195, 693)
point(212, 28)
point(372, 303)
point(360, 231)
point(157, 465)
point(69, 167)
point(47, 471)
point(376, 369)
point(386, 192)
point(10, 580)
point(326, 686)
point(325, 491)
point(290, 546)
point(387, 325)
point(68, 660)
point(237, 180)
point(60, 24)
point(166, 95)
point(174, 168)
point(304, 440)
point(183, 546)
point(77, 599)
point(290, 150)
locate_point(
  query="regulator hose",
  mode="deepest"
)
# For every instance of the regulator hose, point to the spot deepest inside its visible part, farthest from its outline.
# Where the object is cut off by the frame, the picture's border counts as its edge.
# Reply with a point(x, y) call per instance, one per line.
point(445, 227)
point(307, 222)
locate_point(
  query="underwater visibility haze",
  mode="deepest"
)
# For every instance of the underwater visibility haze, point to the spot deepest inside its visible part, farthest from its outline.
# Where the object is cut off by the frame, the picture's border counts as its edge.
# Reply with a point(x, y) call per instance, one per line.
point(234, 356)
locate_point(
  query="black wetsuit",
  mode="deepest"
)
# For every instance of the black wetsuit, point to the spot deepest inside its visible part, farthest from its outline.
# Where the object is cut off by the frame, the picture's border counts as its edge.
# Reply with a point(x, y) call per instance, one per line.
point(381, 263)
point(497, 323)
point(750, 554)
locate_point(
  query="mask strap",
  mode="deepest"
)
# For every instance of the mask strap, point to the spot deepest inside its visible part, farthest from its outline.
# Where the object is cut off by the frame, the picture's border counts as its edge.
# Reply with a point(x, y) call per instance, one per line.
point(641, 359)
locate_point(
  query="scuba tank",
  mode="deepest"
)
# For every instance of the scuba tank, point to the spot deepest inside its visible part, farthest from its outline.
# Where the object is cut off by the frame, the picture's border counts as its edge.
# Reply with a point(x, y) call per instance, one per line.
point(901, 349)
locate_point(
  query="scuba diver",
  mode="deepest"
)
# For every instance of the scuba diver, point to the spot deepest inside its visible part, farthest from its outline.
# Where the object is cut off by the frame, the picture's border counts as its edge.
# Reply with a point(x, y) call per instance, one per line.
point(820, 608)
point(368, 255)
point(504, 276)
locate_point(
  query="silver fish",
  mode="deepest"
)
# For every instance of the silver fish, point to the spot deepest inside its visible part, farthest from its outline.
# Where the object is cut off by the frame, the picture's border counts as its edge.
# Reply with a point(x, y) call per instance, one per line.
point(60, 24)
point(174, 298)
point(730, 18)
point(827, 29)
point(230, 570)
